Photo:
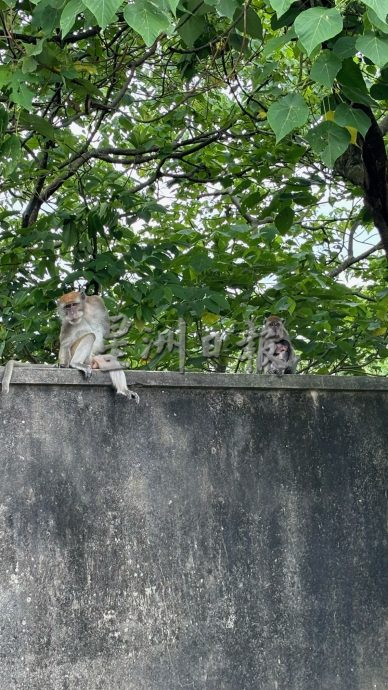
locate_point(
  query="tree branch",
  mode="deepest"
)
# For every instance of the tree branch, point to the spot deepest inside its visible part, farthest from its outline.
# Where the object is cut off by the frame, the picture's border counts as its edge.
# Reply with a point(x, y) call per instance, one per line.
point(350, 260)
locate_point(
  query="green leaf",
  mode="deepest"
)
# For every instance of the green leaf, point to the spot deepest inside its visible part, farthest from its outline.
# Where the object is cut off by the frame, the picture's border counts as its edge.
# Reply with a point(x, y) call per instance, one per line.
point(275, 44)
point(38, 124)
point(220, 299)
point(69, 15)
point(329, 141)
point(35, 48)
point(29, 65)
point(173, 4)
point(373, 18)
point(10, 154)
point(345, 47)
point(21, 94)
point(326, 68)
point(316, 25)
point(285, 219)
point(191, 27)
point(379, 91)
point(103, 10)
point(147, 20)
point(374, 48)
point(46, 16)
point(227, 8)
point(285, 304)
point(345, 116)
point(199, 261)
point(281, 6)
point(378, 6)
point(287, 114)
point(250, 24)
point(352, 82)
point(69, 236)
point(5, 75)
point(3, 121)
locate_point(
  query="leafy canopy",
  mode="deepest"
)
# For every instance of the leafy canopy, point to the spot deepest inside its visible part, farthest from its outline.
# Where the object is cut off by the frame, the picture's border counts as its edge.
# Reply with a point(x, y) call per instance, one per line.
point(199, 160)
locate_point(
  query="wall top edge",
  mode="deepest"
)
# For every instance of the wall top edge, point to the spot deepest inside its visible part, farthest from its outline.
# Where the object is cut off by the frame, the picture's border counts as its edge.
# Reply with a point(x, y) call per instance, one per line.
point(42, 375)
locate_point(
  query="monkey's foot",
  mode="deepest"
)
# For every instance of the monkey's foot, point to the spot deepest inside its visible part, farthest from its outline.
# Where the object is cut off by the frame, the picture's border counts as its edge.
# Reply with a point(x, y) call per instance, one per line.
point(88, 373)
point(86, 369)
point(131, 395)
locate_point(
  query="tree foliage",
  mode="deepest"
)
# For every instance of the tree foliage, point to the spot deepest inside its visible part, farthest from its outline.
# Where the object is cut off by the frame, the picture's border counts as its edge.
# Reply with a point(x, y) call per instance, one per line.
point(211, 161)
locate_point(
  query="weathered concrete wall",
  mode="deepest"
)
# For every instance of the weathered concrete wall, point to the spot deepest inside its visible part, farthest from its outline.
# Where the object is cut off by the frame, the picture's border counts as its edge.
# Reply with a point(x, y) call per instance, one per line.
point(226, 533)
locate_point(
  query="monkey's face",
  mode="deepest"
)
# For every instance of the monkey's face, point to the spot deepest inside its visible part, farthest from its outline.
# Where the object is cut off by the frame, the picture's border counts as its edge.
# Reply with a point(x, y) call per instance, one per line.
point(72, 312)
point(71, 307)
point(274, 326)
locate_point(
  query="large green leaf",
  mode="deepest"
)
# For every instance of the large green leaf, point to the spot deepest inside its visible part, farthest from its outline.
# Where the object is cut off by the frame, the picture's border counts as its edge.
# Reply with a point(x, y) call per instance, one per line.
point(250, 23)
point(287, 114)
point(281, 6)
point(353, 84)
point(172, 5)
point(378, 6)
point(374, 48)
point(326, 68)
point(374, 19)
point(103, 10)
point(147, 20)
point(191, 27)
point(38, 124)
point(329, 141)
point(227, 8)
point(316, 25)
point(21, 94)
point(69, 15)
point(274, 44)
point(345, 47)
point(284, 219)
point(345, 116)
point(46, 16)
point(379, 90)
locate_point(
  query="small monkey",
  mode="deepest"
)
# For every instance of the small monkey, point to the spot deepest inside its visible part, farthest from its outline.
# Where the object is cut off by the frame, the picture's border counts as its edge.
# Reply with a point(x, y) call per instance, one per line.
point(276, 354)
point(85, 324)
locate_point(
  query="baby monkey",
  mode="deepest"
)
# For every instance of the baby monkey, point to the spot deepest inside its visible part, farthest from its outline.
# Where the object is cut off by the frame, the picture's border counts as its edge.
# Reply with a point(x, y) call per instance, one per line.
point(276, 354)
point(85, 324)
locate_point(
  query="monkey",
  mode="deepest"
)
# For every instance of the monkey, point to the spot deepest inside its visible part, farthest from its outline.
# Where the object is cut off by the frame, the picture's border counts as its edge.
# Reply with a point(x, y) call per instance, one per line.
point(276, 354)
point(85, 324)
point(282, 354)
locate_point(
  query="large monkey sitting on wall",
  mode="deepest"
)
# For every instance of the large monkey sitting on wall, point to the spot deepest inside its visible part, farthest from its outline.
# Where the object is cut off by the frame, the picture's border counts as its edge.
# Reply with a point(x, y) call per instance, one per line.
point(85, 324)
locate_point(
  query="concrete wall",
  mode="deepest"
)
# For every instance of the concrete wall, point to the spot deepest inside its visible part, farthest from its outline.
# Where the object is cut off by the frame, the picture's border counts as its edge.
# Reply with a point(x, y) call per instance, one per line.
point(229, 532)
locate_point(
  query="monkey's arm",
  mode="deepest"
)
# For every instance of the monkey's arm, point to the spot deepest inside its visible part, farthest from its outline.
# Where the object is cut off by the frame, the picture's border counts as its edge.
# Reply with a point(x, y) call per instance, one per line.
point(80, 354)
point(64, 356)
point(265, 354)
